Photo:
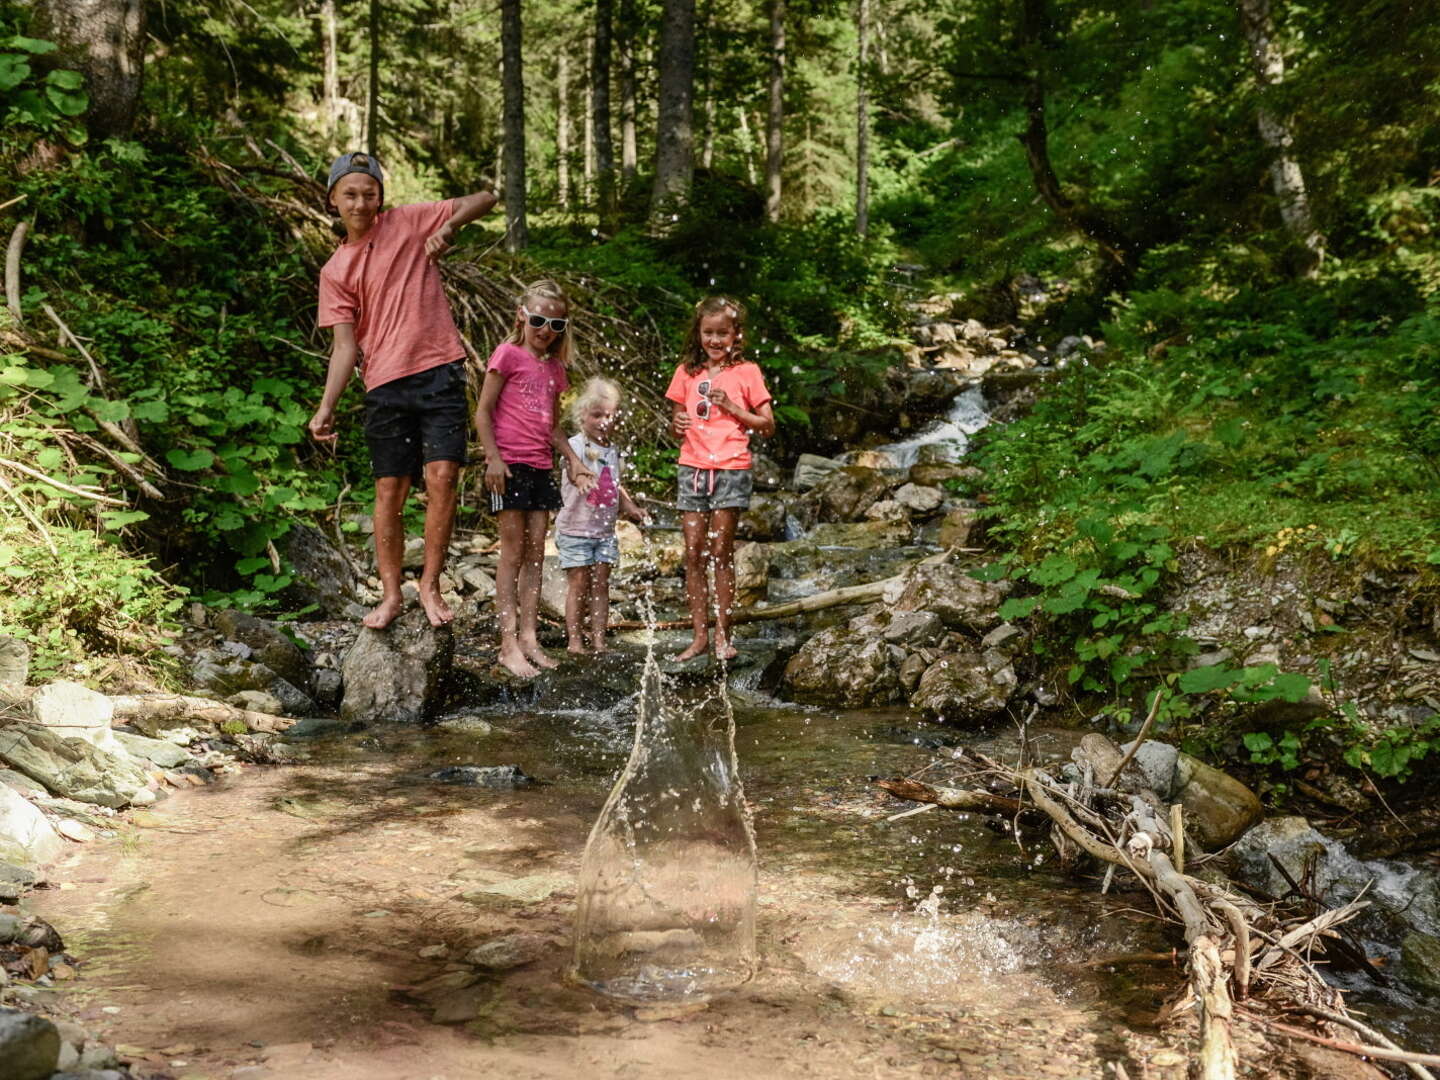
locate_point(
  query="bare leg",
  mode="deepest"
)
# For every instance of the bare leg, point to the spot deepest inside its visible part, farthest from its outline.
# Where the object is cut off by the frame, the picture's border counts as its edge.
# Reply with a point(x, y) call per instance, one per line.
point(599, 605)
point(390, 492)
point(697, 590)
point(441, 479)
point(722, 557)
point(577, 596)
point(507, 578)
point(537, 524)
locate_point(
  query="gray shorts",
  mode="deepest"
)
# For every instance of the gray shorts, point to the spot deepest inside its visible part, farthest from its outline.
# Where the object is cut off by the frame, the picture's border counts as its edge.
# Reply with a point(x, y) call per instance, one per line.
point(577, 551)
point(713, 489)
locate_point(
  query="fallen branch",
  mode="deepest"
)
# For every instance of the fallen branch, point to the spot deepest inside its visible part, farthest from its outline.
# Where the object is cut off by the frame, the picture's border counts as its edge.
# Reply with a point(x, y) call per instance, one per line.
point(29, 516)
point(60, 485)
point(12, 266)
point(849, 594)
point(1417, 1069)
point(131, 707)
point(1383, 1053)
point(952, 798)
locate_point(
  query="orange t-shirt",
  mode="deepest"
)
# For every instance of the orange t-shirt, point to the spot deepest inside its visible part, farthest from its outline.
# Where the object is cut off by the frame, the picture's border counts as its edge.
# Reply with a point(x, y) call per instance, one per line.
point(718, 441)
point(392, 293)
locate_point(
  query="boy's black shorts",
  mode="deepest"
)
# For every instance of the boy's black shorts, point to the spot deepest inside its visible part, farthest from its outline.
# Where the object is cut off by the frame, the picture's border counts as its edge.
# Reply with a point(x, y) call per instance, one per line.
point(529, 488)
point(417, 419)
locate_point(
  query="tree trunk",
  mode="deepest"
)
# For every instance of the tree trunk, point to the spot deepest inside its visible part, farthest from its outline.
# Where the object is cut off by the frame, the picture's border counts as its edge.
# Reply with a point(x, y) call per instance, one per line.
point(600, 114)
point(105, 41)
point(862, 117)
point(1285, 175)
point(674, 126)
point(747, 143)
point(331, 61)
point(625, 39)
point(372, 105)
point(562, 128)
point(775, 121)
point(513, 82)
point(707, 89)
point(587, 129)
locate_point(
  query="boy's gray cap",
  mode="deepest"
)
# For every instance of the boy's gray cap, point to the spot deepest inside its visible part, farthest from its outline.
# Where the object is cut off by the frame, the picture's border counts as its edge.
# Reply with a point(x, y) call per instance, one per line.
point(355, 162)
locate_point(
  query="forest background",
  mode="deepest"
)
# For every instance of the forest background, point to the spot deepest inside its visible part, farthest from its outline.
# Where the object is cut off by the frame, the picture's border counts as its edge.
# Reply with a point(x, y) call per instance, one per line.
point(1240, 198)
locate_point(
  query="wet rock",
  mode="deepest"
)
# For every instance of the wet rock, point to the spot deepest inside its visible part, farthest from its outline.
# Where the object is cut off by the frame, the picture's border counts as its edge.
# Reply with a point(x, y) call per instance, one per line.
point(752, 573)
point(526, 890)
point(864, 535)
point(158, 751)
point(323, 576)
point(1420, 961)
point(1218, 808)
point(26, 837)
point(74, 711)
point(466, 725)
point(14, 881)
point(847, 493)
point(936, 473)
point(476, 578)
point(765, 471)
point(504, 777)
point(887, 510)
point(1006, 635)
point(1159, 764)
point(911, 669)
point(764, 520)
point(877, 458)
point(14, 661)
point(810, 470)
point(965, 688)
point(839, 666)
point(914, 629)
point(921, 500)
point(958, 527)
point(657, 552)
point(267, 643)
point(29, 1045)
point(397, 673)
point(950, 592)
point(328, 687)
point(509, 951)
point(71, 767)
point(1289, 839)
point(228, 675)
point(931, 391)
point(257, 701)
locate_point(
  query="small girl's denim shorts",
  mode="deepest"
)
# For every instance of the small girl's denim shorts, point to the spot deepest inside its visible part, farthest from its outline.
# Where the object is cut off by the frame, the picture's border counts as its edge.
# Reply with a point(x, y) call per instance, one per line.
point(577, 551)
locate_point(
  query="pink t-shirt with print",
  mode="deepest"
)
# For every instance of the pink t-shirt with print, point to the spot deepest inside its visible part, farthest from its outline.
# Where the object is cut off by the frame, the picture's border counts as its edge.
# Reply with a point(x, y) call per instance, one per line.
point(392, 294)
point(524, 416)
point(718, 441)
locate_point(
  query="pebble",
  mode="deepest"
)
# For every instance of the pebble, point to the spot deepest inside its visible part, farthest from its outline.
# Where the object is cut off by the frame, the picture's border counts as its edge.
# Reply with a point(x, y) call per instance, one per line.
point(433, 952)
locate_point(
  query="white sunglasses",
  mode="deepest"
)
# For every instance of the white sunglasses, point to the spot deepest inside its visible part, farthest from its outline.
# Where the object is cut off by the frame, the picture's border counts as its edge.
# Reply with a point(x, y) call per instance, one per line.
point(557, 326)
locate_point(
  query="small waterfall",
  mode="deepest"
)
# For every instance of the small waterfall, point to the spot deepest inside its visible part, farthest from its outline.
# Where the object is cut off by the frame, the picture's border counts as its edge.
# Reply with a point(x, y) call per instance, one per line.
point(968, 414)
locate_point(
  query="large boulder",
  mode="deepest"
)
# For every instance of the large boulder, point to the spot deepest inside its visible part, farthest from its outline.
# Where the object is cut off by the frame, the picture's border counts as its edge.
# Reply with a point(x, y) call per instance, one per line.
point(227, 675)
point(323, 576)
point(1420, 961)
point(958, 527)
point(1218, 808)
point(919, 499)
point(841, 666)
point(847, 493)
point(26, 837)
point(752, 573)
point(74, 711)
point(765, 519)
point(72, 767)
point(950, 592)
point(398, 673)
point(811, 469)
point(268, 645)
point(29, 1045)
point(966, 688)
point(14, 661)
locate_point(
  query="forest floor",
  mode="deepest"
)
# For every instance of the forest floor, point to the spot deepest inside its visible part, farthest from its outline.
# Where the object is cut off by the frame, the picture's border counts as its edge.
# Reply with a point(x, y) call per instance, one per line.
point(272, 925)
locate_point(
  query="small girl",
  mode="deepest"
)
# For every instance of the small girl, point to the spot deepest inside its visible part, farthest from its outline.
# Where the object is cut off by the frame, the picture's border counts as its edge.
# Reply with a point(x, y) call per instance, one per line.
point(585, 528)
point(518, 422)
point(719, 398)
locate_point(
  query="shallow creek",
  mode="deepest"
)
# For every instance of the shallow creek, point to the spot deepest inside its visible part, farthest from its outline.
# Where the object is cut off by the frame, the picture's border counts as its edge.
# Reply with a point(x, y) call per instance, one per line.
point(272, 924)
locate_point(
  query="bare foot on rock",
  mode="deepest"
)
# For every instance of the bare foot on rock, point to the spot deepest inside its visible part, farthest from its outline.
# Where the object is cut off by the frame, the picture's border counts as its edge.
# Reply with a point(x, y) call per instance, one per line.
point(698, 647)
point(539, 657)
point(436, 610)
point(514, 661)
point(577, 648)
point(724, 650)
point(384, 613)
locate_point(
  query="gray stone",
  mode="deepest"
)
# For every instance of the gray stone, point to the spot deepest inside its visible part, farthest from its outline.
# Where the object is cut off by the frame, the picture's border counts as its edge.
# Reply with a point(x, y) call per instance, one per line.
point(950, 592)
point(840, 667)
point(228, 675)
point(476, 579)
point(810, 469)
point(26, 837)
point(259, 701)
point(14, 661)
point(911, 669)
point(764, 520)
point(21, 783)
point(965, 688)
point(922, 500)
point(916, 629)
point(525, 890)
point(1159, 762)
point(1218, 808)
point(14, 881)
point(752, 573)
point(74, 711)
point(958, 527)
point(323, 575)
point(504, 777)
point(398, 673)
point(1290, 839)
point(328, 686)
point(158, 751)
point(10, 927)
point(73, 768)
point(860, 534)
point(509, 951)
point(270, 646)
point(847, 493)
point(887, 510)
point(29, 1045)
point(765, 471)
point(1006, 634)
point(1420, 961)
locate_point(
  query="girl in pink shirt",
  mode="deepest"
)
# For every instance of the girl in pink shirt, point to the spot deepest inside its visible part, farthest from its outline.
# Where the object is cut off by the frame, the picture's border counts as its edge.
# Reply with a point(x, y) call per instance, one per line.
point(518, 420)
point(718, 398)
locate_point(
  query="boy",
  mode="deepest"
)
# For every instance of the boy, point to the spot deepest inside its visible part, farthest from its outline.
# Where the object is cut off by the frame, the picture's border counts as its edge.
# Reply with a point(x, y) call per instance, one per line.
point(381, 294)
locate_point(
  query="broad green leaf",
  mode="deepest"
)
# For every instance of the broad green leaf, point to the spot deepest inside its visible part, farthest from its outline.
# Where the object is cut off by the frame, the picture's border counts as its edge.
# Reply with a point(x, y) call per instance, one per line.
point(250, 565)
point(1257, 742)
point(112, 412)
point(118, 519)
point(190, 460)
point(36, 46)
point(67, 102)
point(13, 71)
point(66, 80)
point(50, 458)
point(156, 412)
point(1018, 607)
point(1202, 680)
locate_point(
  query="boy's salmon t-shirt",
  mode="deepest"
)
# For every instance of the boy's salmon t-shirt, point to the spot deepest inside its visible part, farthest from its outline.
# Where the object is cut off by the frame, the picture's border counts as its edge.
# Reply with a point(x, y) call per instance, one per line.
point(717, 441)
point(392, 294)
point(524, 416)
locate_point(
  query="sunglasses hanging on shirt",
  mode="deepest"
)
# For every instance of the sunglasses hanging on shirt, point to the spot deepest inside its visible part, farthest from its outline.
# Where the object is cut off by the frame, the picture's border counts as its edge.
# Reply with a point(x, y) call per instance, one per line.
point(702, 407)
point(557, 326)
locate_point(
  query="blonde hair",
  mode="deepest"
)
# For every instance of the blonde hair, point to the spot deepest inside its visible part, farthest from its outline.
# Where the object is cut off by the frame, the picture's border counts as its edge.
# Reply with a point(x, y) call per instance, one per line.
point(693, 354)
point(597, 390)
point(561, 348)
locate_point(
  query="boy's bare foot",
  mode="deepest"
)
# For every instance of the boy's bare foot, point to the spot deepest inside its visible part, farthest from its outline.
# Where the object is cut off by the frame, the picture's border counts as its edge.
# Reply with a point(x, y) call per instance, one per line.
point(698, 647)
point(724, 650)
point(384, 613)
point(436, 610)
point(577, 648)
point(514, 661)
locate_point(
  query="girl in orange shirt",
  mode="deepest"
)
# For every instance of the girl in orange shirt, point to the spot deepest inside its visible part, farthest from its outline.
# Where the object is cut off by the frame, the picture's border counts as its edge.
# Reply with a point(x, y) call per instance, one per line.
point(718, 398)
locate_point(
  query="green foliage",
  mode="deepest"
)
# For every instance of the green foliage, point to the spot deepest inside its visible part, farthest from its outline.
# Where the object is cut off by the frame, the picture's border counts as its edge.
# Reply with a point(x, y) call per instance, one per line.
point(38, 100)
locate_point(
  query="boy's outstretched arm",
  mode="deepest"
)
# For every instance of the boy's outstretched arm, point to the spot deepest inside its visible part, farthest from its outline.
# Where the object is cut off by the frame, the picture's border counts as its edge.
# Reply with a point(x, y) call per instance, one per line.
point(343, 354)
point(467, 209)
